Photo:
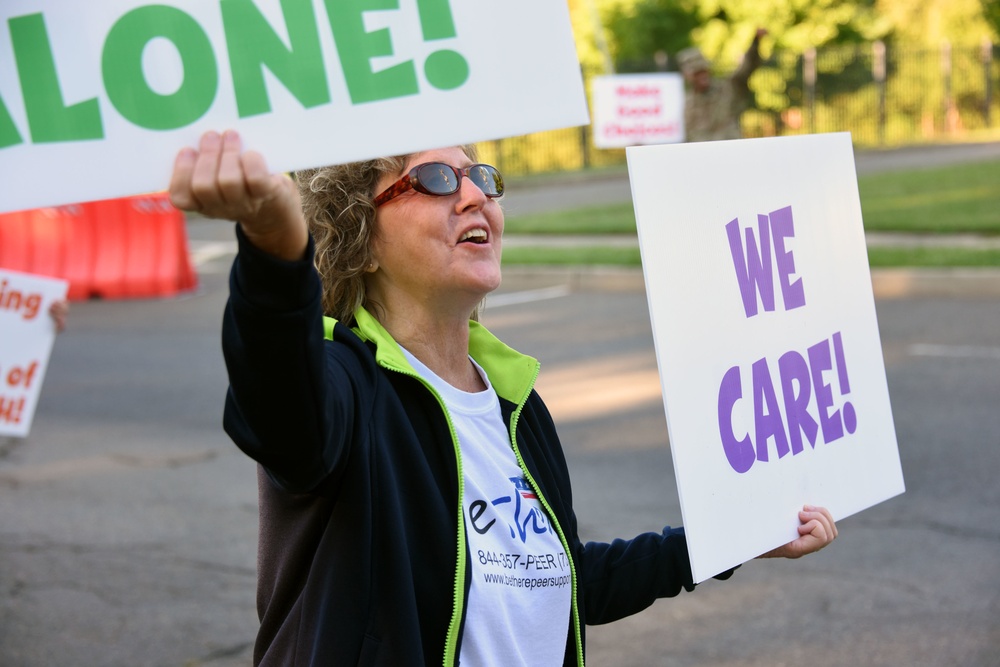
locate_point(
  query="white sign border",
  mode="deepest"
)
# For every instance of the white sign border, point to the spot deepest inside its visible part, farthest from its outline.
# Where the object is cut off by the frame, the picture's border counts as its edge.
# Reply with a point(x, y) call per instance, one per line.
point(705, 171)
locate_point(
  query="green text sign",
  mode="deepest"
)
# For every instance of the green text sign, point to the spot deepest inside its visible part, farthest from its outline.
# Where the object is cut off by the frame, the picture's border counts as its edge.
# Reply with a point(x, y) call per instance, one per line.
point(100, 96)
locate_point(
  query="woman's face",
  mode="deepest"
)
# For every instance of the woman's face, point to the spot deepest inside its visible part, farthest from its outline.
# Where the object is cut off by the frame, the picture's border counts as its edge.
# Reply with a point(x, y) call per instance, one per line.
point(701, 80)
point(436, 251)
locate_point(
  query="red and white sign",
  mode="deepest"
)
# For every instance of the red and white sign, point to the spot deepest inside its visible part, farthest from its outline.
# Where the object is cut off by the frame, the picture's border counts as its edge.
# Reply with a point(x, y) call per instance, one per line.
point(27, 333)
point(637, 109)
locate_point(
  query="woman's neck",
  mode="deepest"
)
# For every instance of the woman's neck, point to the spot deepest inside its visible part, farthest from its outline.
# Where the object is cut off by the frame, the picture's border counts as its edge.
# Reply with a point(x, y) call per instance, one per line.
point(440, 343)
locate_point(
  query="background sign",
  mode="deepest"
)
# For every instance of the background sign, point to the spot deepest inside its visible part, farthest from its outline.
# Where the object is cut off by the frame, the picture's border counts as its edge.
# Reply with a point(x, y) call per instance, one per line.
point(636, 109)
point(766, 337)
point(27, 333)
point(96, 98)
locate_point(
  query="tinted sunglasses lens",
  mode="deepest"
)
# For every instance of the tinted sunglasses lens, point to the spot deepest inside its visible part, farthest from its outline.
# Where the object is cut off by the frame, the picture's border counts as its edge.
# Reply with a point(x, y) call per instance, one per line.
point(487, 179)
point(437, 178)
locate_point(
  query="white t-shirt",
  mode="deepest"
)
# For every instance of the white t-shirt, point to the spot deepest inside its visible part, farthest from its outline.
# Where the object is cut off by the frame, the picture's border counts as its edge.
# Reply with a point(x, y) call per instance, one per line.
point(519, 601)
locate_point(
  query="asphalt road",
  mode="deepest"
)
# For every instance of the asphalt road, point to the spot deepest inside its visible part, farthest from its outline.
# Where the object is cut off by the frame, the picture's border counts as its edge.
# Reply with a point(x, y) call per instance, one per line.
point(128, 520)
point(913, 581)
point(128, 526)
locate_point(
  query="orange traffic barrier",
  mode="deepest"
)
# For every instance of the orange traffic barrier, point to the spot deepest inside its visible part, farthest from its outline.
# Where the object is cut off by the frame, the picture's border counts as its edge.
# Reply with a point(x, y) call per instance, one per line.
point(78, 259)
point(15, 241)
point(110, 224)
point(118, 248)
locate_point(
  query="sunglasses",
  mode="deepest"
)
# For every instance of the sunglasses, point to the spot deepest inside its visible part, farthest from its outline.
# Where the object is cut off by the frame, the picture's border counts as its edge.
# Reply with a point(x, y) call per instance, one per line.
point(440, 179)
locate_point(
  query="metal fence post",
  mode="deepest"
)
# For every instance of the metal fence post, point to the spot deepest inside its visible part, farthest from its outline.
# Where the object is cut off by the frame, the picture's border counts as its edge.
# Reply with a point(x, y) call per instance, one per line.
point(987, 80)
point(878, 73)
point(498, 161)
point(950, 113)
point(809, 80)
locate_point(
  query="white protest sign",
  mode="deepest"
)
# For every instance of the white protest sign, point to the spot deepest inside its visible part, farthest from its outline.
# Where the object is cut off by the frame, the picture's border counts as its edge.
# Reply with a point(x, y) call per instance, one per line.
point(637, 109)
point(766, 338)
point(27, 333)
point(96, 98)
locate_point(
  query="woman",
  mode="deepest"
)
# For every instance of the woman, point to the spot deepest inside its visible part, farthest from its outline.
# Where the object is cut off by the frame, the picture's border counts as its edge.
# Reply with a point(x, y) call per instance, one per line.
point(415, 504)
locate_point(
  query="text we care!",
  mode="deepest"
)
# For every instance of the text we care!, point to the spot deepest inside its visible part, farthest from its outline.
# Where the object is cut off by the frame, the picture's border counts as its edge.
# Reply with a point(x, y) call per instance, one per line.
point(799, 377)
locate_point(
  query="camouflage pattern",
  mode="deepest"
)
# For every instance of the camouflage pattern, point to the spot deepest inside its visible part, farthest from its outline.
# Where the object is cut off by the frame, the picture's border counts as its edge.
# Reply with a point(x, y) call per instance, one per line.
point(714, 114)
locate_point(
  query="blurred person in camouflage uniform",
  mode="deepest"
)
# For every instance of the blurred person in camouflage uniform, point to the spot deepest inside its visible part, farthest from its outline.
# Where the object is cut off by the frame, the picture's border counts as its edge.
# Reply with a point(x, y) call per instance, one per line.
point(712, 107)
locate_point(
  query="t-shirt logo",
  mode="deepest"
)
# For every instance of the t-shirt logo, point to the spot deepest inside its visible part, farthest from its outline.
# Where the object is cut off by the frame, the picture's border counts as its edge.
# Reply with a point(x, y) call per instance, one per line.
point(522, 518)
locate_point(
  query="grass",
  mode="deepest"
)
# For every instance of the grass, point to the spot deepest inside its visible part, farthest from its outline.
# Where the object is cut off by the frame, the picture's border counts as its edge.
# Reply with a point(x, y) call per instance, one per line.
point(933, 257)
point(584, 255)
point(944, 200)
point(957, 199)
point(609, 219)
point(878, 257)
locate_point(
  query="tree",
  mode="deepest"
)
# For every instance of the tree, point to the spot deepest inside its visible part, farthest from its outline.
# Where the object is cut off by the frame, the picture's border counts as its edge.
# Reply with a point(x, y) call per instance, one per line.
point(723, 28)
point(930, 23)
point(991, 13)
point(793, 25)
point(640, 31)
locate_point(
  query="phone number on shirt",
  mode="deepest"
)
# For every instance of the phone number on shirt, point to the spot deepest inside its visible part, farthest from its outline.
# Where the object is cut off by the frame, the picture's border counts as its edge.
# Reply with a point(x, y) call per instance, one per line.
point(526, 562)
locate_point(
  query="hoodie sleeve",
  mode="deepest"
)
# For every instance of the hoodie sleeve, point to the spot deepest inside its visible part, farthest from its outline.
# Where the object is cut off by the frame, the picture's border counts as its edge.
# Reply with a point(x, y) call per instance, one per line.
point(291, 403)
point(624, 577)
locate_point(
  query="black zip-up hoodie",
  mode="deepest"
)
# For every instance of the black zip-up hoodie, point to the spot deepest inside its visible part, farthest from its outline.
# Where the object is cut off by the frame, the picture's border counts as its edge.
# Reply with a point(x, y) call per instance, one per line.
point(362, 555)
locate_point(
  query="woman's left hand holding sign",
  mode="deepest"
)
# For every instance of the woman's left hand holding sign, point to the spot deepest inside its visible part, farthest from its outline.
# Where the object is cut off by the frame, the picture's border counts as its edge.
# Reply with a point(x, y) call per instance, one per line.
point(817, 529)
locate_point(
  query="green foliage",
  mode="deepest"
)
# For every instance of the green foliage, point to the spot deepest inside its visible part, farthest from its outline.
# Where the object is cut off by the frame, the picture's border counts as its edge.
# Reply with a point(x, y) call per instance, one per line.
point(930, 23)
point(921, 98)
point(917, 102)
point(588, 33)
point(991, 14)
point(792, 25)
point(637, 32)
point(637, 29)
point(724, 29)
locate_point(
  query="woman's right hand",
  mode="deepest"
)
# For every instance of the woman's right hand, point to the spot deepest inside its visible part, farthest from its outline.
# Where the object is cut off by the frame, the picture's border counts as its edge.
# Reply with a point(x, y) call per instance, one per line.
point(220, 180)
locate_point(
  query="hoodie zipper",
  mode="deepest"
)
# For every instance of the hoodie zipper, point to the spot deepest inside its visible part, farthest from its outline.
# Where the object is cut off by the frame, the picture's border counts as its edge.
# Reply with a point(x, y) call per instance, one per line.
point(458, 593)
point(574, 607)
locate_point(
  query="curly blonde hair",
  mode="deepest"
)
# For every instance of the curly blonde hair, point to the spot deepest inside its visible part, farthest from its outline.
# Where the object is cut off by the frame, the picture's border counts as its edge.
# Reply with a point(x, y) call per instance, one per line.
point(337, 202)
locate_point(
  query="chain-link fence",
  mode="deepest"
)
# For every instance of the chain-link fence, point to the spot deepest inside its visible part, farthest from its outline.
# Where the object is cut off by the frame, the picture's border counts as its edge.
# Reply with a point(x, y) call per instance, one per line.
point(883, 95)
